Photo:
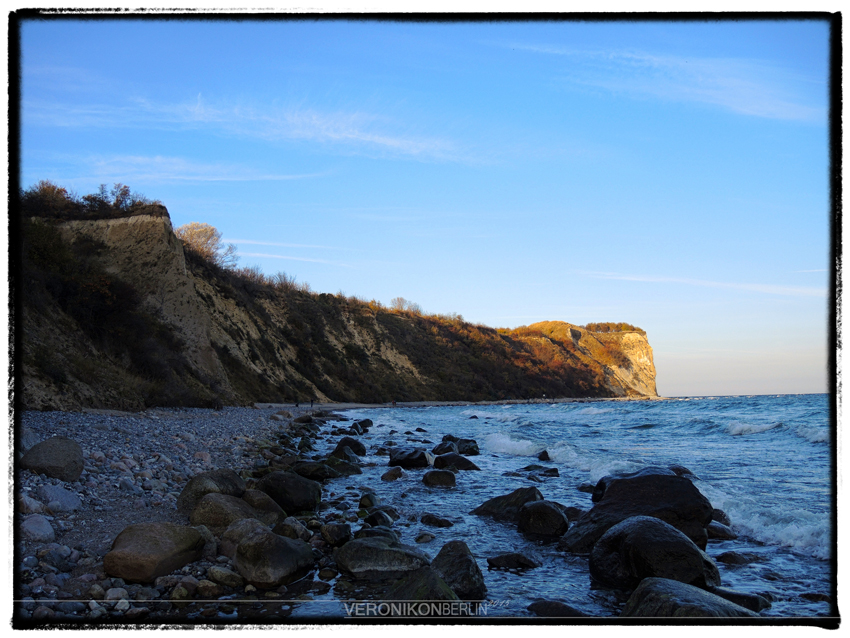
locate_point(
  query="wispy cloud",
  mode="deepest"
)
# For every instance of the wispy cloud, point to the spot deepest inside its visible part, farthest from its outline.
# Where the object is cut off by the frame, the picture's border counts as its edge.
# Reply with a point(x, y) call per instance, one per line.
point(140, 168)
point(794, 291)
point(743, 86)
point(351, 131)
point(277, 244)
point(291, 258)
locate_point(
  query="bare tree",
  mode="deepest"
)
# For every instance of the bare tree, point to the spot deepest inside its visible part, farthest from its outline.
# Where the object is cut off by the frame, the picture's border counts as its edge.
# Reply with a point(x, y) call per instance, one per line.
point(205, 241)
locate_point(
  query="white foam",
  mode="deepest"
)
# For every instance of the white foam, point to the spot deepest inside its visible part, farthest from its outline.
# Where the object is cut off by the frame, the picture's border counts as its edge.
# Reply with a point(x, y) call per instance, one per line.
point(813, 434)
point(593, 410)
point(801, 531)
point(738, 428)
point(501, 443)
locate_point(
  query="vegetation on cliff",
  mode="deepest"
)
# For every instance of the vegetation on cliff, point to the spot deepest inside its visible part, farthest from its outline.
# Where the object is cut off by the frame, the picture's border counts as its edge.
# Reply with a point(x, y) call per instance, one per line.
point(86, 326)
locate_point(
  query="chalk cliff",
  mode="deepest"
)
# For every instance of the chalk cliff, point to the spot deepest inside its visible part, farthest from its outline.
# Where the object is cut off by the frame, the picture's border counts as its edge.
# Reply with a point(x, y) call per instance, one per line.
point(194, 334)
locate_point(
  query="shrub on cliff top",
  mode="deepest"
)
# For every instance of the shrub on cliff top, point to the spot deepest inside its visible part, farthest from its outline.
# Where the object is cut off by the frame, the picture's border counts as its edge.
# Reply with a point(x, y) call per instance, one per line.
point(205, 241)
point(48, 200)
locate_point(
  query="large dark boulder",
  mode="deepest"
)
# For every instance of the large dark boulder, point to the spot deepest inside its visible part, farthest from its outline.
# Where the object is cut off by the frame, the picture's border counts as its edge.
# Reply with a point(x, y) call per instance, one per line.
point(267, 560)
point(642, 547)
point(445, 448)
point(292, 492)
point(673, 499)
point(753, 602)
point(219, 511)
point(356, 446)
point(454, 460)
point(506, 507)
point(664, 598)
point(343, 467)
point(542, 519)
point(315, 471)
point(336, 534)
point(605, 481)
point(379, 557)
point(513, 560)
point(144, 551)
point(457, 567)
point(58, 457)
point(219, 481)
point(410, 458)
point(464, 446)
point(439, 478)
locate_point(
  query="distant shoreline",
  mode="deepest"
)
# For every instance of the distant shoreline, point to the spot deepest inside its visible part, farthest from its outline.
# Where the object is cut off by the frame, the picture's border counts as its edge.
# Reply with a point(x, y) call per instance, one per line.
point(427, 404)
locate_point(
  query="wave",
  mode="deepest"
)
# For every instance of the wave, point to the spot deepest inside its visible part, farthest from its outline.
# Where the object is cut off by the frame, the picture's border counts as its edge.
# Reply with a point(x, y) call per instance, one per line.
point(502, 443)
point(738, 428)
point(801, 531)
point(813, 434)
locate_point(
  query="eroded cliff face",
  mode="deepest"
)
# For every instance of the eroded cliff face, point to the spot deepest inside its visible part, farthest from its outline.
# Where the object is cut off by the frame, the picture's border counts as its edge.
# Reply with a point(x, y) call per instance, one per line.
point(242, 343)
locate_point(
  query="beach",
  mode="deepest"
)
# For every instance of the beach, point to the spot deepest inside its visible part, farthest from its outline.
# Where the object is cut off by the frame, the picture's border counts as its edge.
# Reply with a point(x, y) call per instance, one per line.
point(137, 465)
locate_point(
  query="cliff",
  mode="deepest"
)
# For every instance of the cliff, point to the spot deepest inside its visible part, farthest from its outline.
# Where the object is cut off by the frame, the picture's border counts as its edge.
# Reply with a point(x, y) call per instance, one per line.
point(114, 313)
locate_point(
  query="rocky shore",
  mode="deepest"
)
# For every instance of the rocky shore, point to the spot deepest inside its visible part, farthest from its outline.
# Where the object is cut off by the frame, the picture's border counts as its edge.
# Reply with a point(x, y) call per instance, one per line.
point(232, 516)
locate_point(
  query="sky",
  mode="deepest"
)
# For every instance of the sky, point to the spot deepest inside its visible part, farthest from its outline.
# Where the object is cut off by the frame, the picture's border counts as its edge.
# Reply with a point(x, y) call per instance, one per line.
point(671, 174)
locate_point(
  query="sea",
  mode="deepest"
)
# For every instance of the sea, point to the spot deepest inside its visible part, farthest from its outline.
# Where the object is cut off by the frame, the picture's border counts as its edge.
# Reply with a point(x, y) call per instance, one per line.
point(767, 461)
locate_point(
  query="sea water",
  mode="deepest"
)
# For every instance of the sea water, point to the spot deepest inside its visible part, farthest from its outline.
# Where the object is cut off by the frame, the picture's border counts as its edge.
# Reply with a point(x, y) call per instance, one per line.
point(764, 460)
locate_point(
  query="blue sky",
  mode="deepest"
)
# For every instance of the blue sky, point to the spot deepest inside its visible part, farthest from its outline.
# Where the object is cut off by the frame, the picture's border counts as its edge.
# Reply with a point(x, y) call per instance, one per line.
point(673, 175)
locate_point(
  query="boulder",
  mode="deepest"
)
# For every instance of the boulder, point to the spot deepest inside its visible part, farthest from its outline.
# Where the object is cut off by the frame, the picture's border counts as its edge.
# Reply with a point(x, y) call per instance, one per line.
point(422, 584)
point(436, 521)
point(363, 424)
point(605, 481)
point(291, 527)
point(721, 517)
point(554, 609)
point(393, 474)
point(671, 498)
point(315, 471)
point(506, 507)
point(542, 519)
point(513, 560)
point(369, 499)
point(379, 558)
point(410, 458)
point(456, 565)
point(267, 560)
point(219, 511)
point(439, 478)
point(387, 509)
point(27, 439)
point(144, 551)
point(378, 531)
point(664, 598)
point(455, 460)
point(343, 467)
point(224, 576)
point(292, 492)
point(379, 517)
point(643, 547)
point(336, 534)
point(467, 447)
point(37, 528)
point(234, 534)
point(58, 457)
point(719, 531)
point(219, 481)
point(753, 602)
point(346, 455)
point(445, 448)
point(356, 446)
point(267, 510)
point(59, 499)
